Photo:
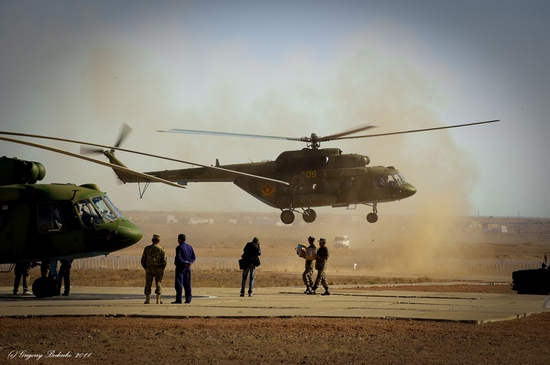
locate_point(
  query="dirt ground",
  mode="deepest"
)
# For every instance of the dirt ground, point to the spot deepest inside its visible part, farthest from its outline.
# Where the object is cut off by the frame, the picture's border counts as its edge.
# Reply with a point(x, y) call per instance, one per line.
point(115, 340)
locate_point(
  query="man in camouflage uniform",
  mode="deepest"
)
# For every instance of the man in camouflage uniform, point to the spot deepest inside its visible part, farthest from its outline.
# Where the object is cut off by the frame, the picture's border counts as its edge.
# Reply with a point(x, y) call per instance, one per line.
point(320, 266)
point(153, 261)
point(307, 276)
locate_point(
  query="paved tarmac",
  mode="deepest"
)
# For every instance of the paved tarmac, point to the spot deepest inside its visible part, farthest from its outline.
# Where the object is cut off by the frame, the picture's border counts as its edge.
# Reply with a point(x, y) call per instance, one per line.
point(278, 302)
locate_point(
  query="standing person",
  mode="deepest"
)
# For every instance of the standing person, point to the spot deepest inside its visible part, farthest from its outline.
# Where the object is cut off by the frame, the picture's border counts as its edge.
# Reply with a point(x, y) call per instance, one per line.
point(320, 266)
point(65, 276)
point(22, 270)
point(185, 257)
point(250, 255)
point(153, 261)
point(307, 276)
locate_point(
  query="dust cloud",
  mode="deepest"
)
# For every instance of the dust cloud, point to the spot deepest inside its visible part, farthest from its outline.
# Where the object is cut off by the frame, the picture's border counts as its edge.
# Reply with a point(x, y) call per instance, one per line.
point(396, 97)
point(363, 88)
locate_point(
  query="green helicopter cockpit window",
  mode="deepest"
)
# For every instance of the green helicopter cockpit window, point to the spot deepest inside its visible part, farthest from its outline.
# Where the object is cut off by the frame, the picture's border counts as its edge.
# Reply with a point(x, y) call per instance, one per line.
point(88, 213)
point(104, 209)
point(49, 218)
point(398, 178)
point(115, 209)
point(389, 180)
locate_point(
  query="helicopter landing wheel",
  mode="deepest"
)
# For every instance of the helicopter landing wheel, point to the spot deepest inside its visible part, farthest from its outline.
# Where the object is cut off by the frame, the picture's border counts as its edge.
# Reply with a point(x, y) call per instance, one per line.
point(287, 216)
point(372, 217)
point(309, 215)
point(44, 287)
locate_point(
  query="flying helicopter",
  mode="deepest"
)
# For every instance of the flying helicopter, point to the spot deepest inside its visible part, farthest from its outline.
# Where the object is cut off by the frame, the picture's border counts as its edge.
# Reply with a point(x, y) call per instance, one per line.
point(47, 222)
point(316, 176)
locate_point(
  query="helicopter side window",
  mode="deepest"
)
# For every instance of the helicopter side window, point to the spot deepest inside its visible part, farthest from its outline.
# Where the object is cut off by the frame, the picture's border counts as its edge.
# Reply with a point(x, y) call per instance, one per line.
point(49, 218)
point(380, 181)
point(88, 213)
point(104, 209)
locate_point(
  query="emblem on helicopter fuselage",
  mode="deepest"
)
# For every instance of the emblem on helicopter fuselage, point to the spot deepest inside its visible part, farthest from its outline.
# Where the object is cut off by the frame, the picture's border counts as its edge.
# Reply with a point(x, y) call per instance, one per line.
point(267, 190)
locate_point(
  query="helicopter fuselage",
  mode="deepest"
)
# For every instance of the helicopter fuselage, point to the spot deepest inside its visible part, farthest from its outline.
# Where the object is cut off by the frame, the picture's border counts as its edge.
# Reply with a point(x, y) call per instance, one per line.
point(316, 177)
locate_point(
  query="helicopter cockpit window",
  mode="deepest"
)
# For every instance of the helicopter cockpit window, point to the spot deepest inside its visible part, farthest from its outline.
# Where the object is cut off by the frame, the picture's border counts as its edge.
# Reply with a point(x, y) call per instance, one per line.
point(88, 213)
point(104, 209)
point(115, 209)
point(390, 180)
point(49, 218)
point(399, 179)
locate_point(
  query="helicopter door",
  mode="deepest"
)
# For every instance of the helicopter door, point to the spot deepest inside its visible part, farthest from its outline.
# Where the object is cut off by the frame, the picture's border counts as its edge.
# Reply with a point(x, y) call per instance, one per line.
point(49, 218)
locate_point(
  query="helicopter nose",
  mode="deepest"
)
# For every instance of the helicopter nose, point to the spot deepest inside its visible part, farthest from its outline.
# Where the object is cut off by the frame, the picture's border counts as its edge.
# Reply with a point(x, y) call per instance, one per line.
point(408, 190)
point(128, 234)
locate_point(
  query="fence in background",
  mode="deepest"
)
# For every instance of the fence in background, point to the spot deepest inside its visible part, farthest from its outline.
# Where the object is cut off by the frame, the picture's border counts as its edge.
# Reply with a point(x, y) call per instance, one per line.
point(295, 264)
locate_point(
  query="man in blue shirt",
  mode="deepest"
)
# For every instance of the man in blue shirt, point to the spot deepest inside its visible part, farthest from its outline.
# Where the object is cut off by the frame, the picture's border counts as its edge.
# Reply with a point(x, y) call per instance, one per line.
point(185, 257)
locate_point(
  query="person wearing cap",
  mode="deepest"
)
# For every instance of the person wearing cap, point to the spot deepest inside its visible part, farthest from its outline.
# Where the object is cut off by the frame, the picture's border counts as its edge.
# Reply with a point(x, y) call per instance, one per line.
point(320, 266)
point(185, 257)
point(153, 261)
point(307, 276)
point(250, 256)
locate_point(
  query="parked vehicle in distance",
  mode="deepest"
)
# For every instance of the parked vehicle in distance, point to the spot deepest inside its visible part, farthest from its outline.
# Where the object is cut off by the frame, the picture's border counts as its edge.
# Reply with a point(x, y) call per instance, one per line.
point(532, 281)
point(341, 242)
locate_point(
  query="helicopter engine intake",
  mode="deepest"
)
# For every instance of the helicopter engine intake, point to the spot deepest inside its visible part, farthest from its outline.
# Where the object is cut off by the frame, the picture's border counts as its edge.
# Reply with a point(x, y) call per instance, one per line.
point(15, 171)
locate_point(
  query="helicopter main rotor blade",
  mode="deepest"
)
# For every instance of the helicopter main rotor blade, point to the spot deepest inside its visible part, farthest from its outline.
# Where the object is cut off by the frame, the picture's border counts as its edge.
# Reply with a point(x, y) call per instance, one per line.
point(117, 167)
point(345, 133)
point(225, 134)
point(418, 130)
point(142, 154)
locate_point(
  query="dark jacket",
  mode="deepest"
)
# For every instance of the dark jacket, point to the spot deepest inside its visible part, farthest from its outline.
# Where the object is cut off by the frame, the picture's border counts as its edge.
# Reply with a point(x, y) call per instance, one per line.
point(251, 252)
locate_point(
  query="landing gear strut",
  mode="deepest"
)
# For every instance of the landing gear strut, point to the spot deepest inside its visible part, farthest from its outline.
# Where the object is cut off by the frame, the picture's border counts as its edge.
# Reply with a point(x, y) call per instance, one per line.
point(373, 217)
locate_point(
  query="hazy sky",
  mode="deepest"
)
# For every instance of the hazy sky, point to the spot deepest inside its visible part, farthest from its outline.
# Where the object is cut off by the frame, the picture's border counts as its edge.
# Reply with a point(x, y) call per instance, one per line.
point(288, 68)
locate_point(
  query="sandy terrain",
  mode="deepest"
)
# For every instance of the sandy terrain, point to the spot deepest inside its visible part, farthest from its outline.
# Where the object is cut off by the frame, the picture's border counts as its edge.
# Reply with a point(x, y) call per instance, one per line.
point(107, 340)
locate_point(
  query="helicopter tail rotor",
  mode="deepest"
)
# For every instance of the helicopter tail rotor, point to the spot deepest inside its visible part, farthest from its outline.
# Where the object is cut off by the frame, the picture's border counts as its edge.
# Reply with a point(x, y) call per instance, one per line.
point(84, 150)
point(124, 132)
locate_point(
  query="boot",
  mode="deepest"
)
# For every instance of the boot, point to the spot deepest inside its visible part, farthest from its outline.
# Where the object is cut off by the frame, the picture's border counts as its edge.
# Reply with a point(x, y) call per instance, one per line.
point(312, 290)
point(158, 299)
point(308, 289)
point(326, 292)
point(146, 299)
